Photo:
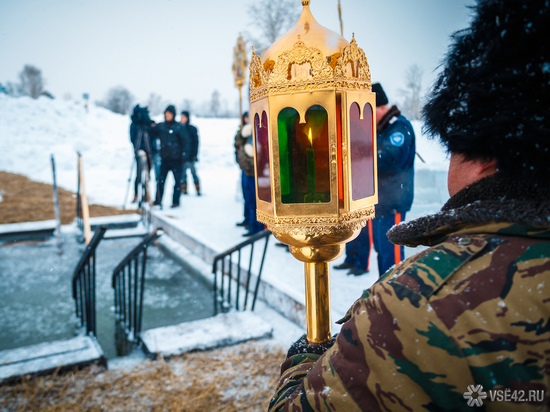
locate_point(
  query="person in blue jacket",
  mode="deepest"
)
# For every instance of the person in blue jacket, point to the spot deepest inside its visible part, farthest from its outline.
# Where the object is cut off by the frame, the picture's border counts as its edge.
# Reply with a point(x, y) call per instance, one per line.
point(396, 151)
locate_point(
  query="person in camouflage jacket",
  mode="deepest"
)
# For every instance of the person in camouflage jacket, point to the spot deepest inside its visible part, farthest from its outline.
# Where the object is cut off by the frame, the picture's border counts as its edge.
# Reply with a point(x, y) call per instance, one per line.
point(466, 322)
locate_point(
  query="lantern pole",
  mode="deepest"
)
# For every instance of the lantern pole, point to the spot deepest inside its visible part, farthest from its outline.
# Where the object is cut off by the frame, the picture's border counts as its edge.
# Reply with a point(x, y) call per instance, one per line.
point(318, 302)
point(240, 62)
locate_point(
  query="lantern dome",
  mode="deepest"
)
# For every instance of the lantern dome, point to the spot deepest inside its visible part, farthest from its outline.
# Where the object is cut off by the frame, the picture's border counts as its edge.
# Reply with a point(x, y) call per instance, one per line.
point(308, 30)
point(309, 57)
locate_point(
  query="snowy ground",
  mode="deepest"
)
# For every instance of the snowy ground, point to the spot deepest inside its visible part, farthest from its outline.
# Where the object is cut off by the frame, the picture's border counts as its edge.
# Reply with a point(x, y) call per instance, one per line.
point(32, 129)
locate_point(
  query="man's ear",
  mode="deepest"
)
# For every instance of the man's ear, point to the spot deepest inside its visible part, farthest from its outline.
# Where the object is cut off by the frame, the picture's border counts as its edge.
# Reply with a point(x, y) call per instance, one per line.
point(486, 167)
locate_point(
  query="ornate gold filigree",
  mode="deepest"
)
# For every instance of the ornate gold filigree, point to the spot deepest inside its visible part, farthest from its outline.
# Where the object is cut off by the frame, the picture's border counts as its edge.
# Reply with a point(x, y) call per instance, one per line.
point(258, 76)
point(305, 68)
point(353, 56)
point(300, 54)
point(316, 225)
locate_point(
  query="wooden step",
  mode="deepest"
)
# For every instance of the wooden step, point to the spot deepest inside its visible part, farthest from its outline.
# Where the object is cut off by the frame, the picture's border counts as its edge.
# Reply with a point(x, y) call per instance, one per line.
point(47, 357)
point(27, 230)
point(222, 330)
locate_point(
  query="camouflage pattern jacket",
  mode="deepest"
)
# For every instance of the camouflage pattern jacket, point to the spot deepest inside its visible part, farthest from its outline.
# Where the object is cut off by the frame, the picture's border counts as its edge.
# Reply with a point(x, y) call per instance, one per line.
point(473, 309)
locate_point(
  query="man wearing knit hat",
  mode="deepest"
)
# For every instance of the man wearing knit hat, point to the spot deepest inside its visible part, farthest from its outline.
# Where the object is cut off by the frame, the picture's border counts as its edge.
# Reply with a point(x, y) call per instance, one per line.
point(190, 153)
point(171, 136)
point(465, 322)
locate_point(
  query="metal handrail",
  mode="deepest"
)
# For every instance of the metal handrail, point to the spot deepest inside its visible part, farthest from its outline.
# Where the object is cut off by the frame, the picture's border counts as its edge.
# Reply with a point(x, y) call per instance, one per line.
point(128, 284)
point(221, 293)
point(83, 283)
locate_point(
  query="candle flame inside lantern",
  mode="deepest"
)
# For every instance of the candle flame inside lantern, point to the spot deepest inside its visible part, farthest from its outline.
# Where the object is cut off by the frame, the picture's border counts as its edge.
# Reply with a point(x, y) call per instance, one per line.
point(310, 138)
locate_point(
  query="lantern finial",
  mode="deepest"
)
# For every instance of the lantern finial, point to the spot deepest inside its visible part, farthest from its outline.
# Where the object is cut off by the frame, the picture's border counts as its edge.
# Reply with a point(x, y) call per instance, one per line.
point(305, 2)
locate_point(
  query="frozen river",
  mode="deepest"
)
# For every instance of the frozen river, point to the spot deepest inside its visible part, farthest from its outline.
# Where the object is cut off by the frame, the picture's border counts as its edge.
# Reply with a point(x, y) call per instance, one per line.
point(36, 303)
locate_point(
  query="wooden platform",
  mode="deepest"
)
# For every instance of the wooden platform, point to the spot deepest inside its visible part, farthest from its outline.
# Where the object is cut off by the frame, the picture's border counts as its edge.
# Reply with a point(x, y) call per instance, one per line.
point(221, 330)
point(47, 357)
point(116, 221)
point(138, 231)
point(27, 230)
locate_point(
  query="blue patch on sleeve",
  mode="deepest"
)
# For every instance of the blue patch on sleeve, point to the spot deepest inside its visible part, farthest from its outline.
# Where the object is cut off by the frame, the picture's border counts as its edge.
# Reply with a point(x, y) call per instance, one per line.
point(397, 139)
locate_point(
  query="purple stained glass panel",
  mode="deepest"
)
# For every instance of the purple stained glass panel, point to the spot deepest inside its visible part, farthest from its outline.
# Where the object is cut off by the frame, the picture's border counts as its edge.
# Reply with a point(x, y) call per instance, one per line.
point(263, 174)
point(361, 152)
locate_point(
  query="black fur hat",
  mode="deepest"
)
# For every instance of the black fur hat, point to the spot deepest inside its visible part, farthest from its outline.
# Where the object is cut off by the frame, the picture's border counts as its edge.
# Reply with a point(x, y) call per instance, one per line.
point(492, 99)
point(381, 98)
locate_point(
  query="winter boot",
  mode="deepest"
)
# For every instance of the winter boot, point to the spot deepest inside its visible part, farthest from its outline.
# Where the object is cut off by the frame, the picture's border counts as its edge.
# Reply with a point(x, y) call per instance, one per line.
point(184, 188)
point(198, 187)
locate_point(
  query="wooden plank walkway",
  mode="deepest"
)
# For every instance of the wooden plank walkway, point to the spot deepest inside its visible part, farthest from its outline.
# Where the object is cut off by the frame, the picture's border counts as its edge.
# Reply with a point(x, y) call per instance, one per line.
point(221, 330)
point(47, 357)
point(27, 230)
point(116, 221)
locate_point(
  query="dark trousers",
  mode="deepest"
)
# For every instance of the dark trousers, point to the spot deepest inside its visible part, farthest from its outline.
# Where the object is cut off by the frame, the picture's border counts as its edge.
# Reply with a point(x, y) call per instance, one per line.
point(358, 250)
point(175, 167)
point(189, 164)
point(138, 181)
point(388, 253)
point(249, 194)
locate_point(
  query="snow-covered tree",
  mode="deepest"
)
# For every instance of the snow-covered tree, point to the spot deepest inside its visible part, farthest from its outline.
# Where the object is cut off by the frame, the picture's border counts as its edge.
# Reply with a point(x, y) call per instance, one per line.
point(271, 19)
point(412, 93)
point(118, 100)
point(32, 83)
point(156, 104)
point(215, 104)
point(13, 89)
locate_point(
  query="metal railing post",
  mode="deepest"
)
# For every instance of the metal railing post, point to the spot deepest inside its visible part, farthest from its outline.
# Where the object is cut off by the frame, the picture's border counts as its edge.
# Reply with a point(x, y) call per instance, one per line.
point(223, 296)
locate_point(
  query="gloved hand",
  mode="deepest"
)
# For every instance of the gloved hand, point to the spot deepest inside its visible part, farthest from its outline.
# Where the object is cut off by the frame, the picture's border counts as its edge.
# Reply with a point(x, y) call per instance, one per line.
point(303, 346)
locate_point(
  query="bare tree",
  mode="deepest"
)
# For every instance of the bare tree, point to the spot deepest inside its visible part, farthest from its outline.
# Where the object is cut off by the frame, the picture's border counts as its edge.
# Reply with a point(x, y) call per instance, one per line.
point(32, 83)
point(215, 104)
point(412, 103)
point(156, 104)
point(187, 104)
point(118, 100)
point(272, 18)
point(13, 89)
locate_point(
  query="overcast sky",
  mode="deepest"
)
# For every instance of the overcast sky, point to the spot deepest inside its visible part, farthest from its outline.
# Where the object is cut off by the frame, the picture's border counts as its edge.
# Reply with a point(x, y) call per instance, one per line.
point(183, 49)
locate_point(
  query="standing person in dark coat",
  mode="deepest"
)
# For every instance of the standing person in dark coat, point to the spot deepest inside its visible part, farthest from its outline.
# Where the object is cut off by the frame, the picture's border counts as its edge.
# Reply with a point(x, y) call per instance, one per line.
point(140, 140)
point(396, 151)
point(190, 153)
point(171, 136)
point(245, 159)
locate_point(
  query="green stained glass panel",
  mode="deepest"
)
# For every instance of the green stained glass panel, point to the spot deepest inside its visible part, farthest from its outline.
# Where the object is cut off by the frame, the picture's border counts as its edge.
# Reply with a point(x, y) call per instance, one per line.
point(304, 156)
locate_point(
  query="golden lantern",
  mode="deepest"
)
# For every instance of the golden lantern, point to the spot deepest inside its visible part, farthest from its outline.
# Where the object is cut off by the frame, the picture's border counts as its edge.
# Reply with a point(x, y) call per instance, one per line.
point(314, 125)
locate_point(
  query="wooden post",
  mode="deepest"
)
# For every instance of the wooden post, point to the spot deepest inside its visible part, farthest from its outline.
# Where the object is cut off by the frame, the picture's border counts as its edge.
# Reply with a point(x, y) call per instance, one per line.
point(56, 205)
point(84, 202)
